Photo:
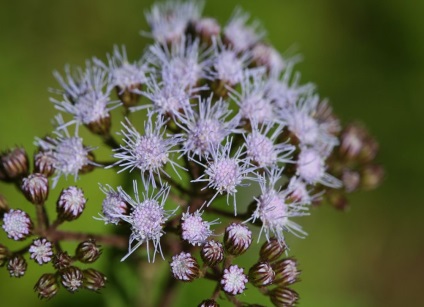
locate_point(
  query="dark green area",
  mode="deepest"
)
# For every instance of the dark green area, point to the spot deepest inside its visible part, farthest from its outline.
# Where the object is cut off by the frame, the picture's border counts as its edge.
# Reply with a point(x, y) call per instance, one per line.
point(366, 56)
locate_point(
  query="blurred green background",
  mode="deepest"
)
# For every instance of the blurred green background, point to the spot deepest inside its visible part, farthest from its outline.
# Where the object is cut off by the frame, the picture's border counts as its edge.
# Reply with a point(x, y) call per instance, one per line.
point(366, 56)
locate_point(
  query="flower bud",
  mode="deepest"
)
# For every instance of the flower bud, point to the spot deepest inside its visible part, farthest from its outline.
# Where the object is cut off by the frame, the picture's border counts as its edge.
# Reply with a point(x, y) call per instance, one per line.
point(234, 280)
point(208, 303)
point(371, 176)
point(212, 253)
point(35, 188)
point(101, 126)
point(4, 206)
point(88, 251)
point(266, 56)
point(93, 280)
point(350, 180)
point(284, 297)
point(72, 278)
point(261, 274)
point(61, 260)
point(88, 167)
point(17, 266)
point(184, 267)
point(4, 254)
point(71, 203)
point(17, 224)
point(286, 272)
point(14, 164)
point(44, 163)
point(47, 286)
point(271, 250)
point(129, 96)
point(237, 239)
point(206, 29)
point(337, 199)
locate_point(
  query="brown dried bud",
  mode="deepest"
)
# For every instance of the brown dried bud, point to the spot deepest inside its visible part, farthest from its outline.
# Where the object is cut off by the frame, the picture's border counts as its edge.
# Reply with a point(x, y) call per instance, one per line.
point(237, 239)
point(72, 278)
point(88, 251)
point(71, 203)
point(14, 164)
point(61, 260)
point(212, 253)
point(4, 254)
point(284, 297)
point(17, 266)
point(47, 286)
point(43, 163)
point(93, 280)
point(272, 249)
point(36, 188)
point(184, 267)
point(208, 303)
point(286, 272)
point(261, 274)
point(371, 176)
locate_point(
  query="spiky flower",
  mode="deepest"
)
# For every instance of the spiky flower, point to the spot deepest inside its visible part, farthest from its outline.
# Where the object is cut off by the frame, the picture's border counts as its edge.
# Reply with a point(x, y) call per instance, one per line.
point(147, 218)
point(194, 229)
point(149, 152)
point(184, 267)
point(234, 280)
point(112, 206)
point(17, 224)
point(41, 250)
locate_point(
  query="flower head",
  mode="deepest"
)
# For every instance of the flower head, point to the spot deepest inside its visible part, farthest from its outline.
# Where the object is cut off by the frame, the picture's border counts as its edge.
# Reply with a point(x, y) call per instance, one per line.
point(194, 229)
point(41, 250)
point(234, 280)
point(149, 152)
point(184, 267)
point(147, 218)
point(113, 205)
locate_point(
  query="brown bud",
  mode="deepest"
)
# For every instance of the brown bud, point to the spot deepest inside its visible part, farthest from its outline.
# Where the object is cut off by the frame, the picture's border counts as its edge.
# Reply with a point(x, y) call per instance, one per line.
point(47, 286)
point(93, 280)
point(14, 164)
point(4, 206)
point(237, 239)
point(284, 297)
point(88, 251)
point(35, 188)
point(72, 278)
point(286, 272)
point(184, 267)
point(71, 203)
point(208, 303)
point(372, 176)
point(261, 274)
point(272, 249)
point(129, 96)
point(212, 253)
point(43, 163)
point(61, 260)
point(4, 254)
point(101, 126)
point(17, 266)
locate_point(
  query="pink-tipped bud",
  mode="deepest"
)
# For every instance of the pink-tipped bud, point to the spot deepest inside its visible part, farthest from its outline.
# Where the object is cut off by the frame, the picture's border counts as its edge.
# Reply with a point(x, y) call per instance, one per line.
point(284, 297)
point(88, 251)
point(237, 239)
point(14, 164)
point(72, 278)
point(272, 249)
point(36, 188)
point(43, 163)
point(184, 267)
point(212, 253)
point(17, 266)
point(286, 272)
point(261, 274)
point(71, 203)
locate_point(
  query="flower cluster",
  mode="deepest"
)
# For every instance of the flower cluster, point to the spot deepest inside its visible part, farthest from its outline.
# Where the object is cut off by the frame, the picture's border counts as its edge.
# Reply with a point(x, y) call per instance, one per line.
point(212, 114)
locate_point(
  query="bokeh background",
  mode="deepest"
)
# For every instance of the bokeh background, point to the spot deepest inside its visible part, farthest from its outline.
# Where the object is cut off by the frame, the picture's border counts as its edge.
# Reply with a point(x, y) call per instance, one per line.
point(366, 56)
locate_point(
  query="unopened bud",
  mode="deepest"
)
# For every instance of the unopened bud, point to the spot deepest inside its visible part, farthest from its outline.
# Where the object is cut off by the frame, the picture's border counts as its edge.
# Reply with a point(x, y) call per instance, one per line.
point(101, 126)
point(93, 280)
point(129, 96)
point(4, 206)
point(17, 266)
point(206, 29)
point(72, 278)
point(71, 203)
point(208, 303)
point(286, 272)
point(350, 180)
point(337, 199)
point(14, 164)
point(266, 56)
point(272, 249)
point(4, 254)
point(212, 253)
point(35, 188)
point(184, 267)
point(43, 163)
point(261, 274)
point(88, 251)
point(371, 176)
point(284, 297)
point(61, 261)
point(47, 286)
point(237, 239)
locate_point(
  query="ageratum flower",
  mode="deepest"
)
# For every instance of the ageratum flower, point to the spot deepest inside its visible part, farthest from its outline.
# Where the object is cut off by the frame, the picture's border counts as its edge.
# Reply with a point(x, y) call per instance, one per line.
point(147, 218)
point(69, 154)
point(194, 229)
point(149, 152)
